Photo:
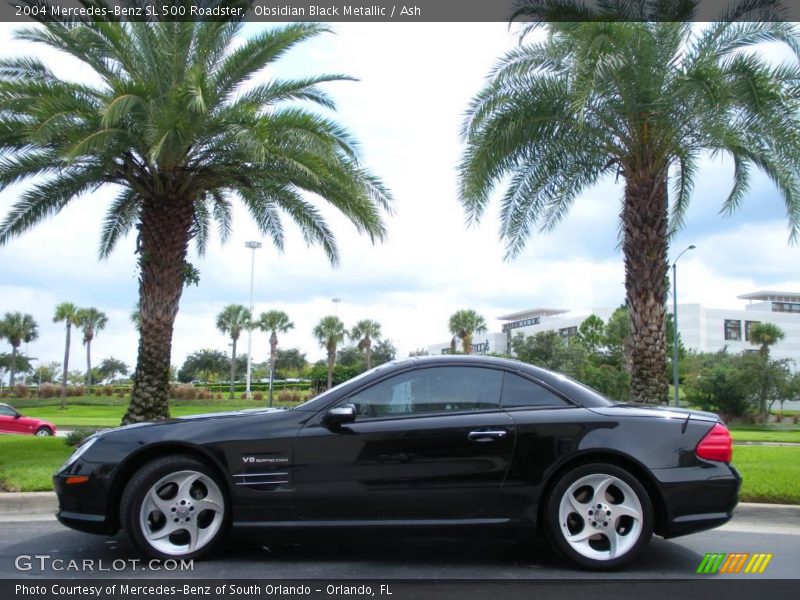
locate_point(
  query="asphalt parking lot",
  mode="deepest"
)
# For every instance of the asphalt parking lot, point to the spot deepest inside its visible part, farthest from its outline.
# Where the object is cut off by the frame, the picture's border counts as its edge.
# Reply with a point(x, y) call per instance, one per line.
point(349, 557)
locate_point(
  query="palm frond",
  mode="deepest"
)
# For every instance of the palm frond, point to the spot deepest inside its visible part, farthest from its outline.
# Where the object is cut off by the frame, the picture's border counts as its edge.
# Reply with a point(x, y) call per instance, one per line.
point(122, 216)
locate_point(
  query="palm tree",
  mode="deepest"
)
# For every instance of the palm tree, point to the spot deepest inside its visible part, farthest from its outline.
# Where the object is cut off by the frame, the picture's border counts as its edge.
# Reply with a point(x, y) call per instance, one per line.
point(365, 332)
point(330, 332)
point(642, 100)
point(67, 312)
point(765, 335)
point(234, 319)
point(17, 328)
point(182, 122)
point(274, 322)
point(464, 324)
point(90, 320)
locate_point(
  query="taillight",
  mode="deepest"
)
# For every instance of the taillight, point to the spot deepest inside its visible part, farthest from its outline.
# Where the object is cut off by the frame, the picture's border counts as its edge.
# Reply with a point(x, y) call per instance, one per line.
point(716, 445)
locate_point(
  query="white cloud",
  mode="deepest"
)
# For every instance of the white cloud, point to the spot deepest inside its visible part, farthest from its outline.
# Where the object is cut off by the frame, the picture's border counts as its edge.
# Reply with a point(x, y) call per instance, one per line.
point(407, 109)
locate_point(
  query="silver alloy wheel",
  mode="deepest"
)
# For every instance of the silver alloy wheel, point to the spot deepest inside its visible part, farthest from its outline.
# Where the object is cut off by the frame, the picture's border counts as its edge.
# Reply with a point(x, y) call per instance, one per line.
point(43, 432)
point(600, 516)
point(181, 512)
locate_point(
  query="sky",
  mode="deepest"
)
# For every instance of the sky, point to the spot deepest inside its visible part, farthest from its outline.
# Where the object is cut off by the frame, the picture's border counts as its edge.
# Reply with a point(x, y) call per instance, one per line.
point(406, 109)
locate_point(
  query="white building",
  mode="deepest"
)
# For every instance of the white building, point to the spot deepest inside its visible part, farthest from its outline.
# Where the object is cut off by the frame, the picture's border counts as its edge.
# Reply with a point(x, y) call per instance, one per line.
point(701, 328)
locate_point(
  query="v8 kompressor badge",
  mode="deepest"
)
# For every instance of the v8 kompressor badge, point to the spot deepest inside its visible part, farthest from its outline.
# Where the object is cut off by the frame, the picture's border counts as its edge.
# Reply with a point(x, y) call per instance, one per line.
point(259, 459)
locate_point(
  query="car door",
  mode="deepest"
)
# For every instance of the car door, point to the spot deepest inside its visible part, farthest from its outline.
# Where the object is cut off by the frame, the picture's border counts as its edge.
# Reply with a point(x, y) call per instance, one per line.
point(427, 443)
point(8, 419)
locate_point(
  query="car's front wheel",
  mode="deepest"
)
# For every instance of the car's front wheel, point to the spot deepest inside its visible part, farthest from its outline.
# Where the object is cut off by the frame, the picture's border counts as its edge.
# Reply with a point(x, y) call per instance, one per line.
point(599, 516)
point(174, 507)
point(43, 432)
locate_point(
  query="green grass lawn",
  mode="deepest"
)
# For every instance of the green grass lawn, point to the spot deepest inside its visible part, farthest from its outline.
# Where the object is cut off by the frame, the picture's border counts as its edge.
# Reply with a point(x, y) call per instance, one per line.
point(770, 473)
point(27, 463)
point(760, 435)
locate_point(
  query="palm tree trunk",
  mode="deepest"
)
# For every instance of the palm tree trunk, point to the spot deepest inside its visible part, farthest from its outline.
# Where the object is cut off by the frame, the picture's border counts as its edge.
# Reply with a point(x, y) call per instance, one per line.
point(273, 353)
point(233, 367)
point(66, 368)
point(331, 361)
point(467, 342)
point(644, 245)
point(164, 233)
point(13, 370)
point(88, 365)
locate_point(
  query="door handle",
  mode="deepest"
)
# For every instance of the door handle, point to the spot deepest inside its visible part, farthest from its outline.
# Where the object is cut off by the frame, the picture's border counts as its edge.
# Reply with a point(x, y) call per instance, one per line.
point(486, 436)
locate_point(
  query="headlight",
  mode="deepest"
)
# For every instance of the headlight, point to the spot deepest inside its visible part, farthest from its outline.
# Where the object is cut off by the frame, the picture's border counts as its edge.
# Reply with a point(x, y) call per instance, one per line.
point(80, 451)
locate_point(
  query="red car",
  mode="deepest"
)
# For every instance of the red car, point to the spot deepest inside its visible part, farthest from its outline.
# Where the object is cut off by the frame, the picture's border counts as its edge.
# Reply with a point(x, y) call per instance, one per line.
point(12, 421)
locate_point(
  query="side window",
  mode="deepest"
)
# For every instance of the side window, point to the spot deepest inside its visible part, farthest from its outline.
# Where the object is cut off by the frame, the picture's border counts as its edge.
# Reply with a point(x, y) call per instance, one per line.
point(518, 391)
point(6, 411)
point(438, 389)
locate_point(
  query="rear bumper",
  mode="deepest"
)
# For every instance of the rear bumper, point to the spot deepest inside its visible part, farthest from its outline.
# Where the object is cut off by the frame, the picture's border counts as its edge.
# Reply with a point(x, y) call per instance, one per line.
point(704, 501)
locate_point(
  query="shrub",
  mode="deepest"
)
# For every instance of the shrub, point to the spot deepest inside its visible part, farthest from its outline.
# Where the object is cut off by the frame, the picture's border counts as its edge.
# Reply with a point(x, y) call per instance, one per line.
point(723, 389)
point(20, 391)
point(76, 390)
point(108, 390)
point(183, 392)
point(47, 390)
point(289, 396)
point(258, 397)
point(76, 436)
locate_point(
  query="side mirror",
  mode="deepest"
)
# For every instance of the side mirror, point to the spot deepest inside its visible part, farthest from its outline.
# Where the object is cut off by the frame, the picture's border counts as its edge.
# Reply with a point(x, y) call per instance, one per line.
point(17, 415)
point(346, 413)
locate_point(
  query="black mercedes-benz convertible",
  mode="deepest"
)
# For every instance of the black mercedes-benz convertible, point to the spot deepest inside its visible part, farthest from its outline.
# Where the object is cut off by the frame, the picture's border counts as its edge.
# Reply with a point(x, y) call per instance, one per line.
point(453, 441)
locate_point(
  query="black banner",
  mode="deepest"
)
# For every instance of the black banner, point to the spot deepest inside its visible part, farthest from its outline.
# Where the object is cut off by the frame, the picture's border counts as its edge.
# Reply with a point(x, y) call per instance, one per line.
point(394, 11)
point(219, 589)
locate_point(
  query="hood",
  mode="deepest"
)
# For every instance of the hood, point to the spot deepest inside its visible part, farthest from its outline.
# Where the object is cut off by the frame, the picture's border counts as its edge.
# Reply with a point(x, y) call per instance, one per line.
point(193, 418)
point(228, 413)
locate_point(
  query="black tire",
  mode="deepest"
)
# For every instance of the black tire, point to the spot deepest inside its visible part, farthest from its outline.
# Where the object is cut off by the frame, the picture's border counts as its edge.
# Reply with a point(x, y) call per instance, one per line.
point(140, 486)
point(596, 552)
point(44, 432)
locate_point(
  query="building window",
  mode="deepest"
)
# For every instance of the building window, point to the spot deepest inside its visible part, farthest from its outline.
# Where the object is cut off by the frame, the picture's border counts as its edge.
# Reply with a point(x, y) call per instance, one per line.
point(748, 325)
point(733, 330)
point(568, 332)
point(786, 307)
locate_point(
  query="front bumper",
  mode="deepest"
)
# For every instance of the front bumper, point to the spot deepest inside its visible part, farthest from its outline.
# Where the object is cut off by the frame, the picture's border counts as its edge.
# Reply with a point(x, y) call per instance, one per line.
point(83, 506)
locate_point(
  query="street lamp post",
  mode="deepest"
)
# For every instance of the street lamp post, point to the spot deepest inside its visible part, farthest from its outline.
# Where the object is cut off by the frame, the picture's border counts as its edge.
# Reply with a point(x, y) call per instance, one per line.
point(253, 246)
point(336, 302)
point(675, 323)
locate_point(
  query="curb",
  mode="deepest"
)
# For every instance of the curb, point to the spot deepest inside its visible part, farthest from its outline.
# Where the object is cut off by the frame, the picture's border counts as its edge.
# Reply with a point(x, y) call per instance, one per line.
point(42, 503)
point(32, 503)
point(773, 513)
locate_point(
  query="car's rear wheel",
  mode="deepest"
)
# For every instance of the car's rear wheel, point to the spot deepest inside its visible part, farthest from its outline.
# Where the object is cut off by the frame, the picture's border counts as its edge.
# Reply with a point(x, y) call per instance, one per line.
point(599, 516)
point(43, 432)
point(174, 507)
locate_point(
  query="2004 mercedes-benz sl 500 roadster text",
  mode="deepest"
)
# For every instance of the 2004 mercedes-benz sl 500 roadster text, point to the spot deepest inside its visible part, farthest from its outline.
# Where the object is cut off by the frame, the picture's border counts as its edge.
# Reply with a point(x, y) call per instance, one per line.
point(457, 442)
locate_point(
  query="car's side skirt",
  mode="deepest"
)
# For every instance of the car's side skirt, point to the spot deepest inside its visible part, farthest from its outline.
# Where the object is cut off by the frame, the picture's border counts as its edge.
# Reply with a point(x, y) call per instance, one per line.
point(324, 524)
